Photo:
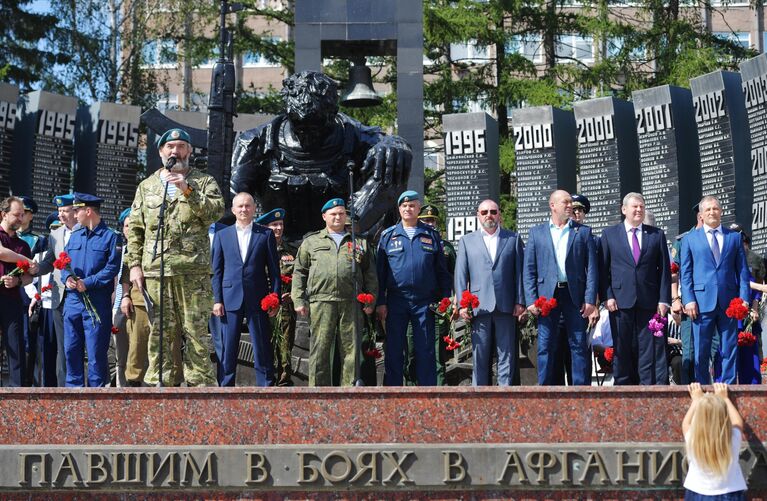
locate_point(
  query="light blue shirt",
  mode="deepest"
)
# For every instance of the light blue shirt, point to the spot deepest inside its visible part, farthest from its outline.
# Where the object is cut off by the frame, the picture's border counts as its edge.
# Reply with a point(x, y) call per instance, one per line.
point(560, 236)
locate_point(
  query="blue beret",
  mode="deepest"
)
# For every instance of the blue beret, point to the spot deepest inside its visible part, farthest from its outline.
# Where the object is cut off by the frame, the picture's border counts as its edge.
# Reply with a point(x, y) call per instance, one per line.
point(581, 201)
point(174, 135)
point(64, 200)
point(333, 202)
point(86, 200)
point(52, 218)
point(29, 204)
point(123, 216)
point(408, 196)
point(273, 215)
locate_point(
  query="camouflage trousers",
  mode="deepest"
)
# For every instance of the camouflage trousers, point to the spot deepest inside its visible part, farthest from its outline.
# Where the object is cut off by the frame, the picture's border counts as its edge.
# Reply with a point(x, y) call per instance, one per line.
point(188, 303)
point(283, 339)
point(332, 327)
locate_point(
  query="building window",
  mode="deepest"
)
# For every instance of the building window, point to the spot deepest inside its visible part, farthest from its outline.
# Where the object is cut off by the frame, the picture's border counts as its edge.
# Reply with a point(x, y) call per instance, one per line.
point(160, 53)
point(253, 59)
point(575, 47)
point(616, 45)
point(468, 52)
point(431, 160)
point(742, 38)
point(167, 102)
point(530, 46)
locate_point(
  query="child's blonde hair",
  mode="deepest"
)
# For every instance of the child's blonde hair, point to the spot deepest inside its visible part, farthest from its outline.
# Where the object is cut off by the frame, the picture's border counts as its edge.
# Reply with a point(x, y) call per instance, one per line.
point(710, 435)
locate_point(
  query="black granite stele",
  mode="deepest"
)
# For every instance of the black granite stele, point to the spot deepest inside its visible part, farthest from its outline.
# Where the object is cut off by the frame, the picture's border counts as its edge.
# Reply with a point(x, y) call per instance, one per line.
point(107, 155)
point(9, 96)
point(545, 152)
point(754, 74)
point(471, 168)
point(44, 149)
point(668, 155)
point(720, 115)
point(608, 157)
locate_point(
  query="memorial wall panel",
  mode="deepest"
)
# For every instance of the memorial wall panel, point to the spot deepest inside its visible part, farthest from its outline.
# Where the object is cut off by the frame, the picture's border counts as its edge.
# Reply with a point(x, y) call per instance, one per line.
point(754, 74)
point(608, 157)
point(44, 150)
point(544, 148)
point(720, 116)
point(107, 156)
point(9, 96)
point(471, 169)
point(668, 156)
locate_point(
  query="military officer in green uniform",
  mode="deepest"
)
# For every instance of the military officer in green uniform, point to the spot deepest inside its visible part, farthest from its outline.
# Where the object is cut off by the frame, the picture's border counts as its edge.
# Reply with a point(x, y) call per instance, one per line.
point(284, 323)
point(430, 215)
point(324, 288)
point(194, 202)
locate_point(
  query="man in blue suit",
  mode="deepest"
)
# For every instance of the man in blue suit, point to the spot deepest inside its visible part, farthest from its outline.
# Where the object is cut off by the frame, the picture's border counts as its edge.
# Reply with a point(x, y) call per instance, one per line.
point(635, 280)
point(241, 255)
point(489, 264)
point(713, 272)
point(561, 263)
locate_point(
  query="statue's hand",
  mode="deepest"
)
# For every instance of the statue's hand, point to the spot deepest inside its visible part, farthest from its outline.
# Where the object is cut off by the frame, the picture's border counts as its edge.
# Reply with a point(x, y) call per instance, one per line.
point(389, 161)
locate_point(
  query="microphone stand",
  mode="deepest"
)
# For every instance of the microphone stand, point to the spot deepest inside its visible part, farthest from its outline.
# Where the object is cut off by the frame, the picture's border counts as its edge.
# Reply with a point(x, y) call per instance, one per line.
point(160, 238)
point(357, 341)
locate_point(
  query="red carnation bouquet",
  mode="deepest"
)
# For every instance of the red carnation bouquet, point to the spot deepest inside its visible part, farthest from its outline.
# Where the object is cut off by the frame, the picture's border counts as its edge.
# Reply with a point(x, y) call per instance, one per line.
point(63, 262)
point(742, 313)
point(545, 305)
point(367, 300)
point(737, 309)
point(746, 339)
point(470, 302)
point(270, 302)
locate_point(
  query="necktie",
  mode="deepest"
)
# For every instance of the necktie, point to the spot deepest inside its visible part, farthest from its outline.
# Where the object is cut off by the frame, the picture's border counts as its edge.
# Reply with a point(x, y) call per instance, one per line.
point(635, 245)
point(715, 246)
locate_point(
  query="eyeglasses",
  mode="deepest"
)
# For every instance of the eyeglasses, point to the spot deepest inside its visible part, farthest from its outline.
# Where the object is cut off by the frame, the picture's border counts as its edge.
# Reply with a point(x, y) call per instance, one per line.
point(491, 211)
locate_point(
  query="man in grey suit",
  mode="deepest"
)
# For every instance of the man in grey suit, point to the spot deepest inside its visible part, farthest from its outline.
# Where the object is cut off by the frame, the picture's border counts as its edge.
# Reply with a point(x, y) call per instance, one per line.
point(54, 364)
point(489, 264)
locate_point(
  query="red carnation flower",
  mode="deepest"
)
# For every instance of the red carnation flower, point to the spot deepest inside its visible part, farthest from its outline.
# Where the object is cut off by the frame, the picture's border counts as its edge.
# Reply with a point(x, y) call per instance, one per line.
point(746, 339)
point(674, 268)
point(609, 353)
point(270, 302)
point(22, 265)
point(38, 297)
point(115, 330)
point(373, 353)
point(286, 279)
point(444, 304)
point(737, 309)
point(366, 299)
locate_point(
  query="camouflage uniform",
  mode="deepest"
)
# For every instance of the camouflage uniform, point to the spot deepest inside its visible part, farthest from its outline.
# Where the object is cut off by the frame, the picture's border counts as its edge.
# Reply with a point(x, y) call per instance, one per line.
point(442, 329)
point(323, 281)
point(187, 289)
point(284, 323)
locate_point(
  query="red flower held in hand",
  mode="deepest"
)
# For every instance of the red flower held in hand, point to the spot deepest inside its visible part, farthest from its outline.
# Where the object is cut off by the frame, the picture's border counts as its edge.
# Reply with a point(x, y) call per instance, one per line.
point(469, 300)
point(737, 309)
point(270, 302)
point(545, 305)
point(38, 297)
point(444, 304)
point(674, 268)
point(746, 338)
point(46, 288)
point(373, 353)
point(62, 261)
point(115, 330)
point(286, 279)
point(366, 299)
point(22, 265)
point(609, 353)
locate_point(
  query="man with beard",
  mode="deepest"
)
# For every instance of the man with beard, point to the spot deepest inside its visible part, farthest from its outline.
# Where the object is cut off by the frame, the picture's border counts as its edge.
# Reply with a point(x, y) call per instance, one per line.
point(302, 158)
point(12, 310)
point(489, 264)
point(284, 323)
point(194, 202)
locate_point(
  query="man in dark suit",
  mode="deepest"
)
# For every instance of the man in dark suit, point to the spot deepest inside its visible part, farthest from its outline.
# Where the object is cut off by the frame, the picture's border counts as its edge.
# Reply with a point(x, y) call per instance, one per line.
point(635, 280)
point(561, 262)
point(713, 272)
point(241, 255)
point(489, 264)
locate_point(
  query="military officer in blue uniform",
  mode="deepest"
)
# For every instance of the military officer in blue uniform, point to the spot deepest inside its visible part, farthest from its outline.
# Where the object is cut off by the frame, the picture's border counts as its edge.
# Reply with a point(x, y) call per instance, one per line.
point(95, 251)
point(412, 274)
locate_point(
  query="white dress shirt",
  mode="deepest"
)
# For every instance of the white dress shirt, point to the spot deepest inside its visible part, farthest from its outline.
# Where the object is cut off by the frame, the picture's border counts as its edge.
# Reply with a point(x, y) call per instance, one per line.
point(719, 236)
point(243, 238)
point(491, 242)
point(630, 234)
point(559, 237)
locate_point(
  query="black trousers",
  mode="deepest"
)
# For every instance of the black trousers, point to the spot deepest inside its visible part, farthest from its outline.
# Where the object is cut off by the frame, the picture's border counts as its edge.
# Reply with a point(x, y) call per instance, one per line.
point(640, 357)
point(12, 324)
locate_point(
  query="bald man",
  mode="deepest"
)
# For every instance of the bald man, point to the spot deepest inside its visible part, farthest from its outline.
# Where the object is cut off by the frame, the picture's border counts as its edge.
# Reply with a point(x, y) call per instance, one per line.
point(561, 263)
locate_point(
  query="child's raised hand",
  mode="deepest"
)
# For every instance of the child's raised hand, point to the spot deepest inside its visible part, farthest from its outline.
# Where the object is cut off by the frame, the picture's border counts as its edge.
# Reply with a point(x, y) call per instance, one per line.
point(695, 391)
point(720, 390)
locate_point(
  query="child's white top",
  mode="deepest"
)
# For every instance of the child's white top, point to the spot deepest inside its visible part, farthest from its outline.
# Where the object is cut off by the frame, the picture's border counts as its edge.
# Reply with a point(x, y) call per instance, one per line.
point(706, 483)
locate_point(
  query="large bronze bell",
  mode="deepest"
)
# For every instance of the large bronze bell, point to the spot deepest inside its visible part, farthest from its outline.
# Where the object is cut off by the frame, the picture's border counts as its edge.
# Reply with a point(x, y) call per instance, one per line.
point(360, 93)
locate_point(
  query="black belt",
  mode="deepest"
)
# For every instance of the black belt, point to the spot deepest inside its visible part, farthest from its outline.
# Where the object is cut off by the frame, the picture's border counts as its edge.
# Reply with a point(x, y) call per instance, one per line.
point(561, 285)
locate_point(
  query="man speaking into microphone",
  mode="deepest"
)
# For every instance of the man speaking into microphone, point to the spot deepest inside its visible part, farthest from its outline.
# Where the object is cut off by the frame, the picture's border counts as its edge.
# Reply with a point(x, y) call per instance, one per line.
point(194, 202)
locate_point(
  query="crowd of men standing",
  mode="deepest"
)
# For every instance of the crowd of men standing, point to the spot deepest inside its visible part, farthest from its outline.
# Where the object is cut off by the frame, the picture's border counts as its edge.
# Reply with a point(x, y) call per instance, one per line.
point(207, 279)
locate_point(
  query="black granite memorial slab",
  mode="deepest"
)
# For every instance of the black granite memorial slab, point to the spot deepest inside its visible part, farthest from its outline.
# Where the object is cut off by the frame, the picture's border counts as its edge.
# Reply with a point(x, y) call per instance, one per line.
point(608, 157)
point(754, 75)
point(44, 149)
point(107, 156)
point(471, 169)
point(668, 155)
point(9, 96)
point(545, 151)
point(720, 115)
